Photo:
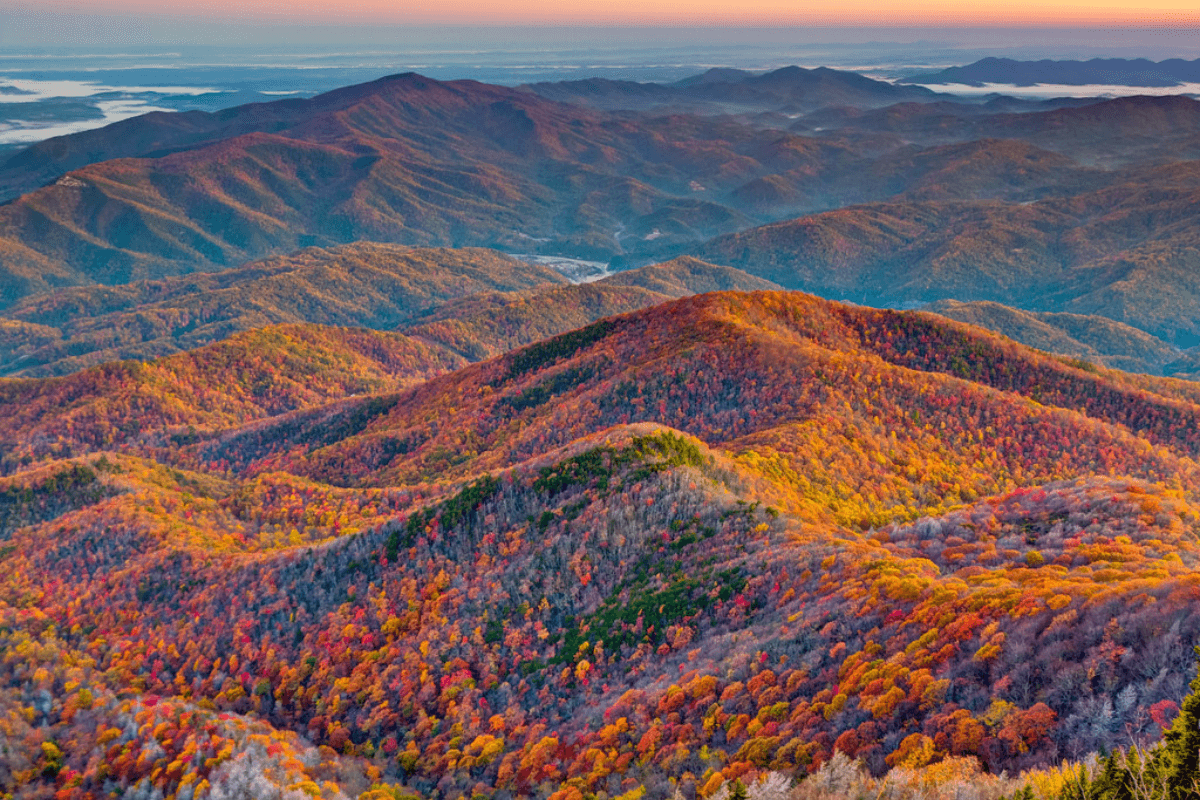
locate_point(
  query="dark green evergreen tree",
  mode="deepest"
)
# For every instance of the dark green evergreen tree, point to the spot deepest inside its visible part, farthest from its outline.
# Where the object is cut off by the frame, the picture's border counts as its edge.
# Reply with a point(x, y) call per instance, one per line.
point(1115, 781)
point(1080, 787)
point(1181, 754)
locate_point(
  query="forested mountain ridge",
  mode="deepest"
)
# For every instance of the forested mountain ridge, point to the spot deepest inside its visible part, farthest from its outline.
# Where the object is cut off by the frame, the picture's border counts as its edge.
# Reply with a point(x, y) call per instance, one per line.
point(158, 133)
point(364, 284)
point(404, 159)
point(265, 372)
point(732, 533)
point(447, 293)
point(420, 162)
point(631, 354)
point(1126, 252)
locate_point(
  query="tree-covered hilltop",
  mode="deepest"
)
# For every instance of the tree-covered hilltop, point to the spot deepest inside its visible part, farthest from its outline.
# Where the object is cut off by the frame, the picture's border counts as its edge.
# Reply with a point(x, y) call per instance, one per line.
point(728, 537)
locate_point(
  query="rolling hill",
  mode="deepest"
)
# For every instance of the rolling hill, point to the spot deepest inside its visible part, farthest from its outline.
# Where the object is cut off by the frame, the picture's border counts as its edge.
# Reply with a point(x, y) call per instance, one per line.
point(369, 285)
point(252, 375)
point(726, 535)
point(363, 284)
point(1126, 252)
point(1088, 337)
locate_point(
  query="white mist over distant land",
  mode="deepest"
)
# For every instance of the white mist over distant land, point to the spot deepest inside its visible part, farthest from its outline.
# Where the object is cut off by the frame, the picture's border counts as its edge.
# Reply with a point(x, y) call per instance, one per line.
point(24, 90)
point(25, 132)
point(1042, 91)
point(111, 104)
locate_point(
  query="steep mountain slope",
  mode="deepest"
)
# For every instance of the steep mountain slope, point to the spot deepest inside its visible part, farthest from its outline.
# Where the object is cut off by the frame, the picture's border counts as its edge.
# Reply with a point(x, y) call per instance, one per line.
point(363, 284)
point(403, 159)
point(883, 533)
point(1126, 252)
point(1092, 338)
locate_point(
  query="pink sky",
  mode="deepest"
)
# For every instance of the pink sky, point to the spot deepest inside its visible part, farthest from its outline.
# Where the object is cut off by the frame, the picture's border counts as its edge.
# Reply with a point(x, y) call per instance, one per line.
point(1120, 13)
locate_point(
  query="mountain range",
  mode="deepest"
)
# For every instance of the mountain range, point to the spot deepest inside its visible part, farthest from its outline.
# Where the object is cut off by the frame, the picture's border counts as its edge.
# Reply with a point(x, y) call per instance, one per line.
point(739, 506)
point(788, 90)
point(316, 483)
point(364, 284)
point(446, 292)
point(410, 160)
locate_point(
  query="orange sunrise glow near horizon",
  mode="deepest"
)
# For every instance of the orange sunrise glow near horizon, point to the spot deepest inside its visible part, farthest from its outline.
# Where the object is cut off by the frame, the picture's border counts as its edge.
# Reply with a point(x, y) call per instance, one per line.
point(1166, 14)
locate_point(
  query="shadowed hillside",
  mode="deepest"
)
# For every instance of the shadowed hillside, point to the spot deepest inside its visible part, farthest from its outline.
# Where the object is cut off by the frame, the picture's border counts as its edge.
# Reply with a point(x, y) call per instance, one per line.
point(1127, 252)
point(1089, 337)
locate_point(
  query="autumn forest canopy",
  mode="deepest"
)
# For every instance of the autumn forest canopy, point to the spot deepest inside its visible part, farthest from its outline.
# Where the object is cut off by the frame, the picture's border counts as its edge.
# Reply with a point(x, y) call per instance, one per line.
point(863, 464)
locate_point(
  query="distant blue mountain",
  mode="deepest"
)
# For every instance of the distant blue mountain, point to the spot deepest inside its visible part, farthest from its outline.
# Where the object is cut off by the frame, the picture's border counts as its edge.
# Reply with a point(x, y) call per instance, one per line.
point(789, 89)
point(1114, 71)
